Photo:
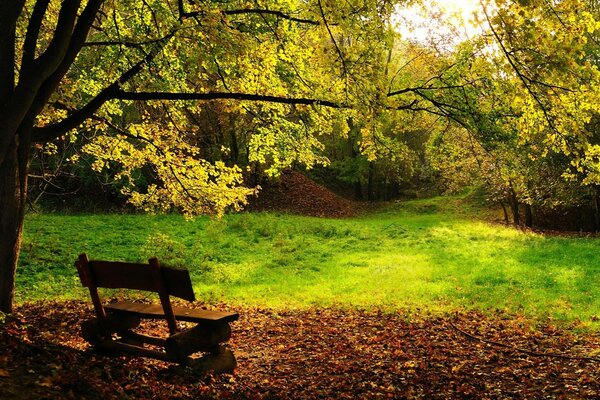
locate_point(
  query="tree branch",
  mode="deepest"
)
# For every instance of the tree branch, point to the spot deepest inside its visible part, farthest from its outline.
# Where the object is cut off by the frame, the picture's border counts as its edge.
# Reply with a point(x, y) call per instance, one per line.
point(50, 59)
point(280, 14)
point(114, 91)
point(122, 43)
point(337, 48)
point(33, 32)
point(84, 24)
point(9, 13)
point(10, 10)
point(417, 89)
point(524, 79)
point(110, 92)
point(124, 95)
point(16, 115)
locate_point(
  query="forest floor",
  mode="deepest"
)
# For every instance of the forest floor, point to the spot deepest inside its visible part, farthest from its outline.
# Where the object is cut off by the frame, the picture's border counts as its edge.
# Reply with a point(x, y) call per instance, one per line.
point(310, 354)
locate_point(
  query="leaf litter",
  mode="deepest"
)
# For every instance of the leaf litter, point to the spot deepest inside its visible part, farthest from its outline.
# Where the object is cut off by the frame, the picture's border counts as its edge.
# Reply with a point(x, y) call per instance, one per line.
point(310, 354)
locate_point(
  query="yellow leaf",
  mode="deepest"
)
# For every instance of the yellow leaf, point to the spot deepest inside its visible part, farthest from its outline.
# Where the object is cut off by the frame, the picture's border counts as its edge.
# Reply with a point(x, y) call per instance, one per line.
point(458, 367)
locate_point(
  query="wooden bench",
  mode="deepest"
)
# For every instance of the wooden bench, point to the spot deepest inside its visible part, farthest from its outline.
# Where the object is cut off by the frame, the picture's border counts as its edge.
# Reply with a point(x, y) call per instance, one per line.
point(112, 329)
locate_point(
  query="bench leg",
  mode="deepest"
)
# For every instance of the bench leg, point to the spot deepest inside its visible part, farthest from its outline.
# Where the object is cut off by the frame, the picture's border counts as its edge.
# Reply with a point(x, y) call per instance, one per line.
point(93, 330)
point(219, 362)
point(199, 338)
point(90, 331)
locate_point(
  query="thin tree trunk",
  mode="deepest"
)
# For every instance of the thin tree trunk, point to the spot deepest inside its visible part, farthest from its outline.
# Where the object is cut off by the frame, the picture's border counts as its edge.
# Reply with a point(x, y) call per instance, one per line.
point(352, 147)
point(514, 205)
point(370, 183)
point(596, 208)
point(235, 152)
point(358, 190)
point(13, 187)
point(528, 216)
point(506, 221)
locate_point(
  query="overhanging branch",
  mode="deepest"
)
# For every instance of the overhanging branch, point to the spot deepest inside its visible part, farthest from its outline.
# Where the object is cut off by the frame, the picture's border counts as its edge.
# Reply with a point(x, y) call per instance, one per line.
point(245, 11)
point(110, 92)
point(33, 32)
point(49, 61)
point(145, 96)
point(279, 14)
point(417, 90)
point(80, 32)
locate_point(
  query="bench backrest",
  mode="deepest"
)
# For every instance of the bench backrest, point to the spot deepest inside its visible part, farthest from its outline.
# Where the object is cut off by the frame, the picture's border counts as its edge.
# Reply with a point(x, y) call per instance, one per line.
point(151, 277)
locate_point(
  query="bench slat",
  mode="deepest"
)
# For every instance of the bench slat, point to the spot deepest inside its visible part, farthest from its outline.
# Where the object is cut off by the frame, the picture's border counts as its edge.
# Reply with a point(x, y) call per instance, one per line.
point(155, 311)
point(122, 275)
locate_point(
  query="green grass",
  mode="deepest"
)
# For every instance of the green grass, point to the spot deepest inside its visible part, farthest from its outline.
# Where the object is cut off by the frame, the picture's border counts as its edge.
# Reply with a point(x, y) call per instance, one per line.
point(431, 255)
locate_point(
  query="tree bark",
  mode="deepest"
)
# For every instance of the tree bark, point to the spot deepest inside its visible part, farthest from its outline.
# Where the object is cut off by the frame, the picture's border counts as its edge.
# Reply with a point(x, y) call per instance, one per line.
point(506, 221)
point(528, 216)
point(13, 192)
point(514, 206)
point(371, 183)
point(596, 208)
point(353, 146)
point(358, 190)
point(235, 151)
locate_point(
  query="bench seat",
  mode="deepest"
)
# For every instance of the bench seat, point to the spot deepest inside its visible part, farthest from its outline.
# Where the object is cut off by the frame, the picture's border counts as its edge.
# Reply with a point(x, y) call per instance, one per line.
point(155, 311)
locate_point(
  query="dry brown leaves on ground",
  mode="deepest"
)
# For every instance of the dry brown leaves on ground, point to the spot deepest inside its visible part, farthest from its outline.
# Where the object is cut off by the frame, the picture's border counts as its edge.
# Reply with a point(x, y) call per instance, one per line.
point(311, 354)
point(297, 194)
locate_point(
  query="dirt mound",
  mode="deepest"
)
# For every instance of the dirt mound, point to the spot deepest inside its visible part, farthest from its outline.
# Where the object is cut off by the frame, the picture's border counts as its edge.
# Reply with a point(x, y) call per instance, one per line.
point(297, 194)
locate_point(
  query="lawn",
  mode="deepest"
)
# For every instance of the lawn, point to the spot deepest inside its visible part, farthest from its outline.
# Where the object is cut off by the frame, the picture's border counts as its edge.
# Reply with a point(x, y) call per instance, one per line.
point(425, 256)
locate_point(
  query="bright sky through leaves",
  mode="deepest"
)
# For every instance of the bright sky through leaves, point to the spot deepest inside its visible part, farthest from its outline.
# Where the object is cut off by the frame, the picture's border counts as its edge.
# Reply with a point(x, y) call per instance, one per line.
point(435, 20)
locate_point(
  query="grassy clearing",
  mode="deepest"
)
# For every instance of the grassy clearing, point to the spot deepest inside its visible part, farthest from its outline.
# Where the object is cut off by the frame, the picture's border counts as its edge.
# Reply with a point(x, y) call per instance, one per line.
point(415, 255)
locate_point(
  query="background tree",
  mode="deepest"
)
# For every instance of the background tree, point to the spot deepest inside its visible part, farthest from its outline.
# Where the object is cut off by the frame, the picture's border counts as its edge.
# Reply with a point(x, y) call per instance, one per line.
point(526, 93)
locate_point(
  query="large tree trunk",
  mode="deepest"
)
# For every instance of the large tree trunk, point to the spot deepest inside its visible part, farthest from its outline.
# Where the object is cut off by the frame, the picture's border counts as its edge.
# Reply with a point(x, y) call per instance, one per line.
point(13, 192)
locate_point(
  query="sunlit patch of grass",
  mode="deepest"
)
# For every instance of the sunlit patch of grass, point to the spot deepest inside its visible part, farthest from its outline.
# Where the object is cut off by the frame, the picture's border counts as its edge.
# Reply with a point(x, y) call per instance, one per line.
point(428, 254)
